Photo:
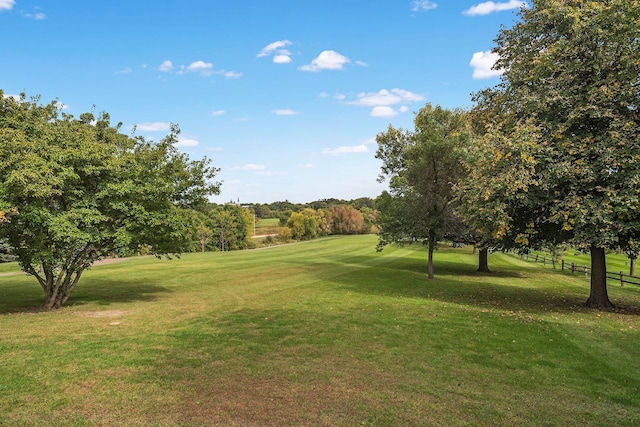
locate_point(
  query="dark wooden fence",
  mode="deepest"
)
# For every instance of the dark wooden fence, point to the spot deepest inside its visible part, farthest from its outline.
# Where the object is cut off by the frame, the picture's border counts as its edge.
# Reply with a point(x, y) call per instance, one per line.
point(621, 277)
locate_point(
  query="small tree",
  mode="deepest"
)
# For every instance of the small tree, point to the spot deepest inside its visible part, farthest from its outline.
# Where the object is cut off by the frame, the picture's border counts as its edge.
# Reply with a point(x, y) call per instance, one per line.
point(204, 236)
point(232, 227)
point(304, 225)
point(346, 219)
point(422, 167)
point(85, 191)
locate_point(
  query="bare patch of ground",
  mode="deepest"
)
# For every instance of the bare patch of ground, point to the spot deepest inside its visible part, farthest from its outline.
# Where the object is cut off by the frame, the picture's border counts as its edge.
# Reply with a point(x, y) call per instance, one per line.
point(108, 261)
point(100, 313)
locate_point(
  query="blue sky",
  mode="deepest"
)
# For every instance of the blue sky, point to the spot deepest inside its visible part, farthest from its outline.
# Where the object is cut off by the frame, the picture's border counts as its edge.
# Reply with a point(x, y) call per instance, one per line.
point(286, 97)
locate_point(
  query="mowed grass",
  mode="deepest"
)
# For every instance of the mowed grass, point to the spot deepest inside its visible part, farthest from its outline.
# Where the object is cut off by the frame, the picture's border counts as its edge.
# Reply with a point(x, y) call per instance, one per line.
point(269, 226)
point(267, 223)
point(326, 332)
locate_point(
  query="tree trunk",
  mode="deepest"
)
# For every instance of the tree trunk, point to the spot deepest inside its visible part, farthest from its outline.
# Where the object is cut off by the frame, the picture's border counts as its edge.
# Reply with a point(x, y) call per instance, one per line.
point(432, 246)
point(598, 297)
point(57, 290)
point(483, 260)
point(632, 265)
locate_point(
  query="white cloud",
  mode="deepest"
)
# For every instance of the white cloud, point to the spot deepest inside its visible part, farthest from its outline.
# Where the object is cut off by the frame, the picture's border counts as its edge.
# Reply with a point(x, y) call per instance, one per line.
point(339, 96)
point(153, 126)
point(38, 16)
point(200, 67)
point(166, 66)
point(490, 7)
point(345, 150)
point(124, 71)
point(272, 173)
point(248, 167)
point(280, 54)
point(218, 113)
point(232, 74)
point(285, 112)
point(187, 142)
point(272, 47)
point(403, 109)
point(362, 64)
point(7, 4)
point(306, 165)
point(386, 97)
point(419, 5)
point(383, 111)
point(327, 60)
point(482, 63)
point(282, 58)
point(408, 96)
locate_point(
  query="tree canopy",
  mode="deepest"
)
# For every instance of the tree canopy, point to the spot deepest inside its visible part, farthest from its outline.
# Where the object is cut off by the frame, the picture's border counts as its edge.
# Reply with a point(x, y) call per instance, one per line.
point(422, 167)
point(567, 114)
point(84, 191)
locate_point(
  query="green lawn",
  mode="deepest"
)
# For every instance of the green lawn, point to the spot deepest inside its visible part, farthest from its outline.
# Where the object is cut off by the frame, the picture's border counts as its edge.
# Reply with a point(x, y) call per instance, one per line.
point(326, 332)
point(268, 222)
point(9, 267)
point(268, 226)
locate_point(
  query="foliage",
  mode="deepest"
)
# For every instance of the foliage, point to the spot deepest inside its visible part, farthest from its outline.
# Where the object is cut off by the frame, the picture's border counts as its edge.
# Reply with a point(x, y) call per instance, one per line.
point(84, 191)
point(346, 219)
point(204, 236)
point(232, 227)
point(423, 167)
point(262, 211)
point(6, 254)
point(304, 225)
point(570, 90)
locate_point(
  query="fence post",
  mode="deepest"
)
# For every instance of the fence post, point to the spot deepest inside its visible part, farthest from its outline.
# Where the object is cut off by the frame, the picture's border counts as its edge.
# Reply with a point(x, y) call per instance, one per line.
point(586, 274)
point(562, 265)
point(536, 257)
point(553, 262)
point(622, 279)
point(544, 261)
point(573, 267)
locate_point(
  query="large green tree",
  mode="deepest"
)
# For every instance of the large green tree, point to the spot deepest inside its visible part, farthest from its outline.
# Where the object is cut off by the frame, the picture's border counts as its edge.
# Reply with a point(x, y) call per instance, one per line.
point(571, 72)
point(85, 191)
point(423, 167)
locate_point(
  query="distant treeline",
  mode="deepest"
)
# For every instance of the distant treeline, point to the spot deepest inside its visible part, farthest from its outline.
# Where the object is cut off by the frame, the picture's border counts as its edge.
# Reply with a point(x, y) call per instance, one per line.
point(285, 208)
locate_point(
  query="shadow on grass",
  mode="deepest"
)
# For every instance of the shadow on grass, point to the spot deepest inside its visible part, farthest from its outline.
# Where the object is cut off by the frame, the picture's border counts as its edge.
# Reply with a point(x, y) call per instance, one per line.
point(505, 288)
point(27, 296)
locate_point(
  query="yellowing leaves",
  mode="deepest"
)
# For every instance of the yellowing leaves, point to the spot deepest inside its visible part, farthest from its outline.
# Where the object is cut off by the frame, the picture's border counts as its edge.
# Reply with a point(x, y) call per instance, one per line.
point(5, 216)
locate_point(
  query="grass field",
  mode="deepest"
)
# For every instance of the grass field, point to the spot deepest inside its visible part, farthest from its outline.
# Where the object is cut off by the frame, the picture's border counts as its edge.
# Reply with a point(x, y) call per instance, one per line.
point(326, 332)
point(269, 227)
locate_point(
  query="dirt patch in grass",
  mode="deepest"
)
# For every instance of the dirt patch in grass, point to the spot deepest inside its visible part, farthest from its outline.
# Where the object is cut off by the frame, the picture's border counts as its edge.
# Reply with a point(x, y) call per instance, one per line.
point(270, 401)
point(99, 313)
point(329, 391)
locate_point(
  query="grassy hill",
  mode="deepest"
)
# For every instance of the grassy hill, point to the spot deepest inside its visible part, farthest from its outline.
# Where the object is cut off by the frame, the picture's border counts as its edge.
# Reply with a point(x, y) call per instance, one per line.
point(326, 332)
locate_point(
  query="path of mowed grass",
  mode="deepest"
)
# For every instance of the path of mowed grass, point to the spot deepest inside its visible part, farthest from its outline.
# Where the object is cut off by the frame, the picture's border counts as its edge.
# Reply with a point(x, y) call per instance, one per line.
point(326, 332)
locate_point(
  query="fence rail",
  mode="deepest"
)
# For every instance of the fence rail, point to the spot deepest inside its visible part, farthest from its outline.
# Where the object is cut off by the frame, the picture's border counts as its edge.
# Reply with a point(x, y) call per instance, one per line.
point(621, 277)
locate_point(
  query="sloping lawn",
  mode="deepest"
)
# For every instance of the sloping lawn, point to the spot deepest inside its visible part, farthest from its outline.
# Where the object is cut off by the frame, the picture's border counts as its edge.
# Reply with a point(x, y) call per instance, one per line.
point(326, 332)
